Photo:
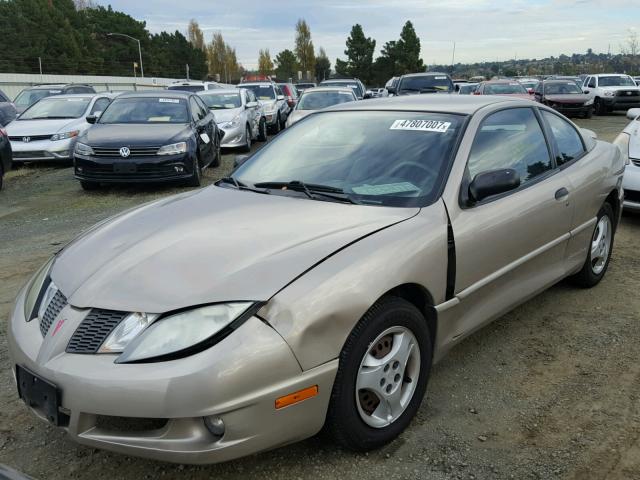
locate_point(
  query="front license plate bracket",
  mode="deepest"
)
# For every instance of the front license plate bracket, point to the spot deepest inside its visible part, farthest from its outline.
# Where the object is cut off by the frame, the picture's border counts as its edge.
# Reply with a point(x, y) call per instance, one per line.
point(41, 395)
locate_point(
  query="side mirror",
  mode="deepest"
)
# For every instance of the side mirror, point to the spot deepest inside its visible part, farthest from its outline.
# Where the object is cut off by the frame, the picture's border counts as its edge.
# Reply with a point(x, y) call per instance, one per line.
point(457, 87)
point(280, 97)
point(487, 184)
point(391, 90)
point(530, 90)
point(368, 94)
point(633, 113)
point(251, 105)
point(239, 160)
point(586, 91)
point(91, 119)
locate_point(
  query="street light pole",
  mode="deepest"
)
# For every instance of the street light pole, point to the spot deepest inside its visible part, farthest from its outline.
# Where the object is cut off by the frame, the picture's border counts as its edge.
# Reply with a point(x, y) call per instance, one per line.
point(139, 48)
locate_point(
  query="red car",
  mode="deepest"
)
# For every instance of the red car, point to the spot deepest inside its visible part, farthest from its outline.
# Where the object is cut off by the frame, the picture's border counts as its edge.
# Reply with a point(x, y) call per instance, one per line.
point(509, 88)
point(290, 93)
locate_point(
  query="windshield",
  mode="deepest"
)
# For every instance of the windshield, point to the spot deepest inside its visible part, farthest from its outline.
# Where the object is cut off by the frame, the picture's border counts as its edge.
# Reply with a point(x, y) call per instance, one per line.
point(504, 89)
point(57, 108)
point(320, 100)
point(529, 84)
point(222, 101)
point(29, 97)
point(186, 88)
point(146, 110)
point(467, 89)
point(426, 83)
point(616, 82)
point(381, 158)
point(353, 85)
point(561, 88)
point(263, 91)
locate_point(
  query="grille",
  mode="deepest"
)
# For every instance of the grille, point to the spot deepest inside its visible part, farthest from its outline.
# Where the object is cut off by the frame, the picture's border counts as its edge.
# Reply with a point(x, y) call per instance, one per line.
point(632, 196)
point(636, 161)
point(142, 171)
point(32, 154)
point(94, 330)
point(57, 303)
point(628, 93)
point(32, 138)
point(134, 152)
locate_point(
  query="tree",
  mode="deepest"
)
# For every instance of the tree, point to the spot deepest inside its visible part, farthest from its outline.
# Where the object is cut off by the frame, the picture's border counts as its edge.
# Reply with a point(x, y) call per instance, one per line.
point(265, 65)
point(196, 37)
point(323, 65)
point(304, 49)
point(359, 54)
point(287, 65)
point(386, 65)
point(408, 51)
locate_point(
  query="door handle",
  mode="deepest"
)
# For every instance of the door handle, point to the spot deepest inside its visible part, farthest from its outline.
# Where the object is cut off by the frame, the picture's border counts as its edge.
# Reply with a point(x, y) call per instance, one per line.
point(562, 193)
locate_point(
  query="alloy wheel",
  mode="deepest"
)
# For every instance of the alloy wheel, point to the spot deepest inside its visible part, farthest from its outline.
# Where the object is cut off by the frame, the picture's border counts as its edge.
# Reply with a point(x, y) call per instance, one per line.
point(601, 244)
point(387, 377)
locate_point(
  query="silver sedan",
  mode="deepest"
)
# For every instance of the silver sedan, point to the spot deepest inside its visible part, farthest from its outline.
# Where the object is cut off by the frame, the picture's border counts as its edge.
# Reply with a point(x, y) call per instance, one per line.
point(318, 98)
point(239, 115)
point(319, 284)
point(629, 143)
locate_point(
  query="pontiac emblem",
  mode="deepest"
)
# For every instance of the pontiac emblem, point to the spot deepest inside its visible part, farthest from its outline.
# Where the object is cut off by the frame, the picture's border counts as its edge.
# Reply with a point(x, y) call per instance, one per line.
point(125, 152)
point(58, 327)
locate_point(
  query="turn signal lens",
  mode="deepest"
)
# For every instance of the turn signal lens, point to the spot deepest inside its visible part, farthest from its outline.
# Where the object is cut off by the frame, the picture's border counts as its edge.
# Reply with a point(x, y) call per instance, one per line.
point(296, 397)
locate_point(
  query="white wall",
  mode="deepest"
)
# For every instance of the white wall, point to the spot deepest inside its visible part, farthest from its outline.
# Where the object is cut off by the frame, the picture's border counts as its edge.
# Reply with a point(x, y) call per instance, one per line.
point(13, 83)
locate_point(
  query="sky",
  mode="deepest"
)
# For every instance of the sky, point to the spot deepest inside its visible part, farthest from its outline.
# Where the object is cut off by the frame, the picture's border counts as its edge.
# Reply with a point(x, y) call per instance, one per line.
point(482, 30)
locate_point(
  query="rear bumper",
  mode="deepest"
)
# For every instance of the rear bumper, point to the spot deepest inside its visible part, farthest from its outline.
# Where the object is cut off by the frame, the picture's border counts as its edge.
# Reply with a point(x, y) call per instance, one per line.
point(154, 169)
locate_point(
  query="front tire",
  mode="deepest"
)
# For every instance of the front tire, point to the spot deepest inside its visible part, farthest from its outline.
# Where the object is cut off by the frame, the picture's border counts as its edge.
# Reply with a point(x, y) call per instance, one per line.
point(382, 376)
point(247, 144)
point(599, 107)
point(196, 176)
point(600, 248)
point(262, 130)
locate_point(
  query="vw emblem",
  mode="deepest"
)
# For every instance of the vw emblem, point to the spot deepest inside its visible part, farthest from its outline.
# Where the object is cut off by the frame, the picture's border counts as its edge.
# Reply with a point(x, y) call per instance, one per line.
point(26, 139)
point(125, 152)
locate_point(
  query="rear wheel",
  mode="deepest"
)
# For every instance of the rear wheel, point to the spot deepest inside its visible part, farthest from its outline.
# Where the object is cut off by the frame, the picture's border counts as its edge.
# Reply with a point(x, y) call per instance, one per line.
point(382, 376)
point(1, 174)
point(599, 107)
point(600, 247)
point(217, 156)
point(89, 186)
point(278, 126)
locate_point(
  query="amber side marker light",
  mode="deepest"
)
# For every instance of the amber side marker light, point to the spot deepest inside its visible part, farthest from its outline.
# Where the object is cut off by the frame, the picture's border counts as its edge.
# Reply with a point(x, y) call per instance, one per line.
point(296, 397)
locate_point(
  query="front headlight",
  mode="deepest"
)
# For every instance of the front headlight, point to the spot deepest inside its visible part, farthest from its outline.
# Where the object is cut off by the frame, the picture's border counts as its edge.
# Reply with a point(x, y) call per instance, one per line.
point(609, 94)
point(64, 136)
point(589, 102)
point(233, 123)
point(35, 291)
point(83, 149)
point(622, 142)
point(175, 334)
point(173, 149)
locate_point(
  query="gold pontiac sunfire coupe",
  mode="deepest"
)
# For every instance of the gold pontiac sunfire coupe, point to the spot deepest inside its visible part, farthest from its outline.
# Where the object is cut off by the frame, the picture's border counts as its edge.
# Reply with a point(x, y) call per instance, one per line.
point(318, 284)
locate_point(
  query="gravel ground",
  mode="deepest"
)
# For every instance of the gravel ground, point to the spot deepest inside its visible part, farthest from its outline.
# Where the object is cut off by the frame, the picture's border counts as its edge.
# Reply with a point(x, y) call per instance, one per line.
point(551, 390)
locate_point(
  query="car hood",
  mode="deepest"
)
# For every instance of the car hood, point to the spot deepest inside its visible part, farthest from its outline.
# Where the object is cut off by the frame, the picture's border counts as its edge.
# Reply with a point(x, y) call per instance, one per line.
point(117, 135)
point(298, 115)
point(226, 115)
point(212, 245)
point(23, 128)
point(567, 98)
point(615, 89)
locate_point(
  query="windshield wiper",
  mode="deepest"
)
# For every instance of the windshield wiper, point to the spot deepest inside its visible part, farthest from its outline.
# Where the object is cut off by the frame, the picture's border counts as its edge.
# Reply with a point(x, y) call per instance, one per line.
point(242, 186)
point(311, 190)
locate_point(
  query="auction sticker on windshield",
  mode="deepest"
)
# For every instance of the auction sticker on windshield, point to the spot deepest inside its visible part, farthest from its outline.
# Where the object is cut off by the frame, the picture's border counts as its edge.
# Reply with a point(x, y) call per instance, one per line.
point(421, 125)
point(168, 100)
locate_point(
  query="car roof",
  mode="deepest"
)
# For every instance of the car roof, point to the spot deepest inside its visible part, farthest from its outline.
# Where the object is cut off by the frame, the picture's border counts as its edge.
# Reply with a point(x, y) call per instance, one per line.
point(49, 86)
point(443, 103)
point(157, 93)
point(340, 80)
point(423, 74)
point(218, 91)
point(502, 81)
point(609, 75)
point(259, 82)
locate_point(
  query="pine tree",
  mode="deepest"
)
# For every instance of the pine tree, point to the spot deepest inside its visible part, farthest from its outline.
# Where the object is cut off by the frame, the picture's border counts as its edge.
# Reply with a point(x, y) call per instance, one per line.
point(408, 51)
point(286, 66)
point(304, 49)
point(359, 54)
point(323, 65)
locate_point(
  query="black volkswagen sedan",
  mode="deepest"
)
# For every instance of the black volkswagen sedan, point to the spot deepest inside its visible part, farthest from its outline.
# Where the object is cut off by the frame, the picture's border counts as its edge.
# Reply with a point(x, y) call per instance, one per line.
point(148, 137)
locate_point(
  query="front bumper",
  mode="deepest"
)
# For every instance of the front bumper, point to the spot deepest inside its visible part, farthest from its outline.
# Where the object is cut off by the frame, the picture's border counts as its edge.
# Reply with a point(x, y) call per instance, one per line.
point(162, 168)
point(237, 380)
point(43, 150)
point(272, 118)
point(621, 102)
point(233, 137)
point(569, 109)
point(631, 186)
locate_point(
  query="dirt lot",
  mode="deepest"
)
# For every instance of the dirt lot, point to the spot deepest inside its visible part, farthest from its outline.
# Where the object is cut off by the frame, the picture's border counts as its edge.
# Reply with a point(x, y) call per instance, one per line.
point(551, 390)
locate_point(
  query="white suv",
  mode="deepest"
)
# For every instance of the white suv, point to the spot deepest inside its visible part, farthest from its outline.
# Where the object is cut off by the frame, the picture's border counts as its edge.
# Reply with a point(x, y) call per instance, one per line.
point(611, 91)
point(272, 99)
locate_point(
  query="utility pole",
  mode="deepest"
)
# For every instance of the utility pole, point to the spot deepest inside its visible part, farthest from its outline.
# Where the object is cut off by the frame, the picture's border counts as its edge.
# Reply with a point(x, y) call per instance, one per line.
point(40, 65)
point(453, 56)
point(139, 48)
point(187, 71)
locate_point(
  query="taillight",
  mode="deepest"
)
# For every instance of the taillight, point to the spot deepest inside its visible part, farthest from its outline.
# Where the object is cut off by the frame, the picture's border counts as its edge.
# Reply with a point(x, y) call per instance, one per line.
point(3, 132)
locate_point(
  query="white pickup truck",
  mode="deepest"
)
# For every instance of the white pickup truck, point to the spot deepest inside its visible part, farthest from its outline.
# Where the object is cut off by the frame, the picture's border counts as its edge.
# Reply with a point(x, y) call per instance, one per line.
point(612, 91)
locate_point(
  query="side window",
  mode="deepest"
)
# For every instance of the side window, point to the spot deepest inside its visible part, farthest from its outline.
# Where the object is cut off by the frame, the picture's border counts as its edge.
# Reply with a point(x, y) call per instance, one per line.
point(196, 114)
point(539, 88)
point(203, 107)
point(592, 82)
point(99, 105)
point(513, 139)
point(568, 141)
